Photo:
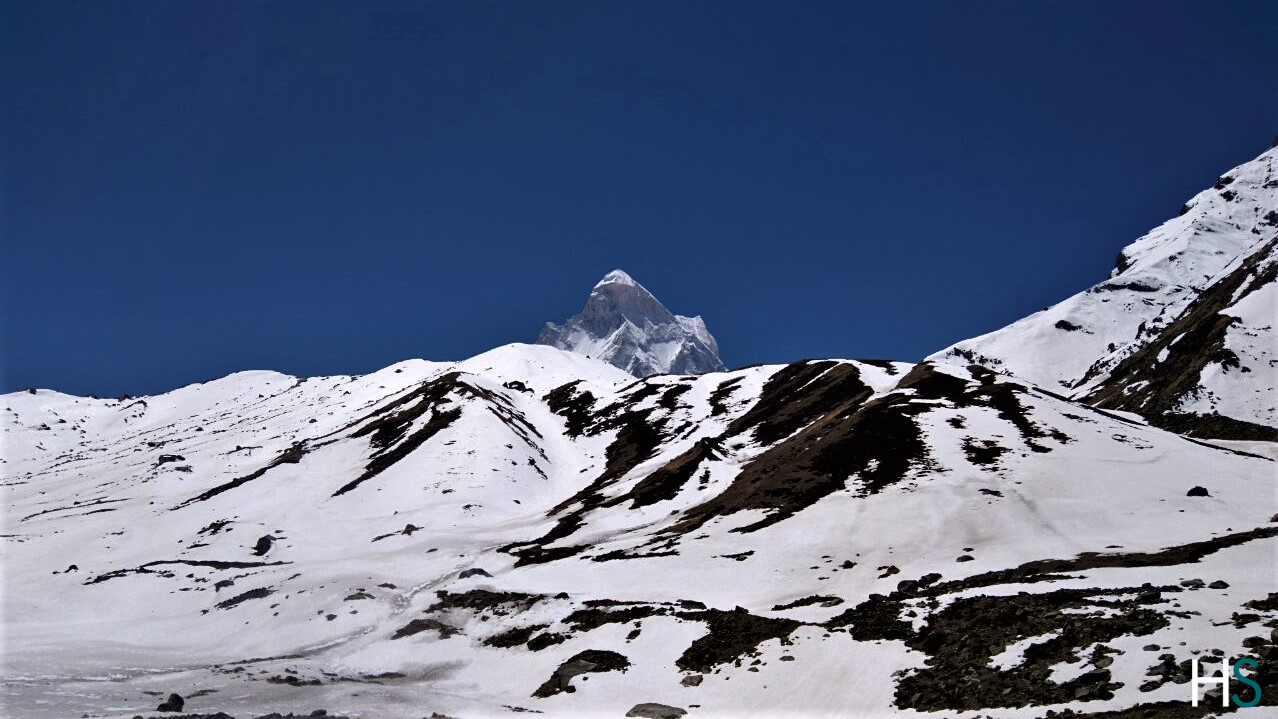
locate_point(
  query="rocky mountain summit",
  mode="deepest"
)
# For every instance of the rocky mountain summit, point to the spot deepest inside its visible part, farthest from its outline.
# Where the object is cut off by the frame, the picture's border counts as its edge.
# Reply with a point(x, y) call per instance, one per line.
point(624, 325)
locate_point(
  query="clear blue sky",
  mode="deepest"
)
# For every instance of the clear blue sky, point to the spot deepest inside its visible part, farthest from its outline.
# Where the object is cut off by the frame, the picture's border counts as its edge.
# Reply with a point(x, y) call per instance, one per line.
point(193, 188)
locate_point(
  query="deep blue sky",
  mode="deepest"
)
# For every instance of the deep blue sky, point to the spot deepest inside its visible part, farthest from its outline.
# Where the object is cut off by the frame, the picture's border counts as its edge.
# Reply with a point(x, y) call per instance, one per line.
point(195, 188)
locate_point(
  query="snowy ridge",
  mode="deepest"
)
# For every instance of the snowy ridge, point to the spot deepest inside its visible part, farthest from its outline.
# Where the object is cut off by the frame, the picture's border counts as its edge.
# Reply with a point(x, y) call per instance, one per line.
point(534, 529)
point(1156, 279)
point(624, 324)
point(1212, 372)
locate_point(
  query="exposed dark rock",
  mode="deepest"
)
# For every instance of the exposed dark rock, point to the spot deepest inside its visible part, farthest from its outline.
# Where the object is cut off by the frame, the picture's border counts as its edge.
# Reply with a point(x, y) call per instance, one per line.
point(546, 639)
point(473, 572)
point(1197, 492)
point(656, 711)
point(173, 704)
point(215, 527)
point(573, 406)
point(1133, 286)
point(418, 626)
point(670, 398)
point(985, 451)
point(1216, 426)
point(293, 680)
point(591, 660)
point(514, 637)
point(719, 397)
point(730, 635)
point(148, 568)
point(809, 601)
point(497, 603)
point(259, 593)
point(1268, 604)
point(961, 638)
point(584, 620)
point(263, 545)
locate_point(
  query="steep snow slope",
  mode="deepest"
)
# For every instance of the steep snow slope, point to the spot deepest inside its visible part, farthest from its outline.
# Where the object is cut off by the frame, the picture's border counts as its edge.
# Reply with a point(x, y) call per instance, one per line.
point(1157, 278)
point(624, 325)
point(1213, 372)
point(533, 529)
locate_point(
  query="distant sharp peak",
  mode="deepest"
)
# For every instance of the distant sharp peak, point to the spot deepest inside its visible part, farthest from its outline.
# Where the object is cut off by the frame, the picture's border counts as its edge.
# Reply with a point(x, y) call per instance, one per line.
point(625, 325)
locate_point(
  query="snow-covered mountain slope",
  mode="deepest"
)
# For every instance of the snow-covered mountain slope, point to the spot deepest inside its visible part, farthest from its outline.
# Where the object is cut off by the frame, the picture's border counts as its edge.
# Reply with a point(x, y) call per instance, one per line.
point(531, 529)
point(1084, 338)
point(624, 325)
point(1213, 372)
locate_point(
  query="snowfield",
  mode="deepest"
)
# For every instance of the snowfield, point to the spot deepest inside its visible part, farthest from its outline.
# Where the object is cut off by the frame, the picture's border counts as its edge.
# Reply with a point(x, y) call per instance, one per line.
point(808, 539)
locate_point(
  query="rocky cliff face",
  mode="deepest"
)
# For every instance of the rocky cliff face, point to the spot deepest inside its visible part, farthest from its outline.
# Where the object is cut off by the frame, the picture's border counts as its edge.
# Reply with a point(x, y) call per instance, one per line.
point(624, 325)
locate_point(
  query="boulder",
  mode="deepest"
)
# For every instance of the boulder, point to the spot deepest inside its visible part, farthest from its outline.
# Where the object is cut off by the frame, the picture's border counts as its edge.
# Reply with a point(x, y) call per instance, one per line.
point(173, 704)
point(652, 710)
point(263, 545)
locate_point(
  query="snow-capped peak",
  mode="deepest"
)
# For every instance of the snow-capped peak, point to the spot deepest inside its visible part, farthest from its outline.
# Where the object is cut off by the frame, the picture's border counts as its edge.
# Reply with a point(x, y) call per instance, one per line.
point(617, 277)
point(625, 325)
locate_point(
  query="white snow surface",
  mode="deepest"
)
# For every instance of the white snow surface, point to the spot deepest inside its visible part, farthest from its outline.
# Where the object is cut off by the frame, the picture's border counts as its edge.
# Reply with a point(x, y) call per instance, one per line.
point(126, 491)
